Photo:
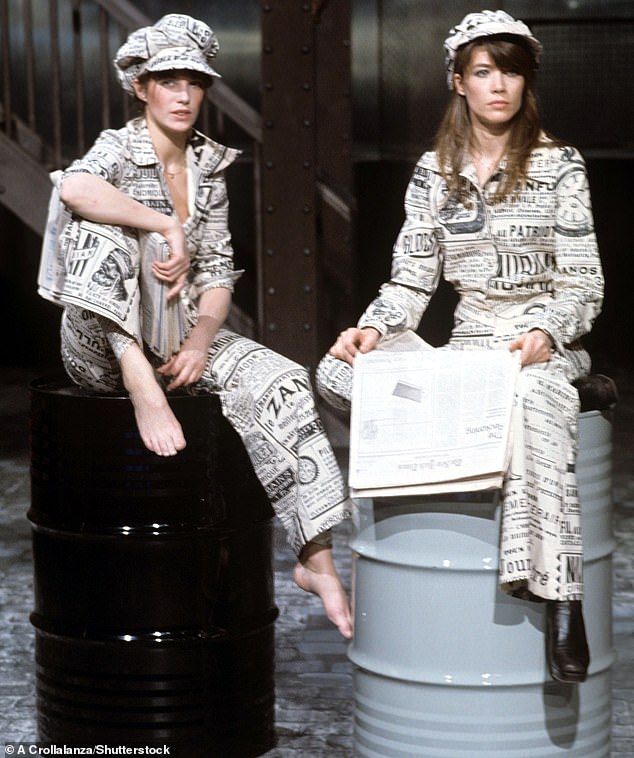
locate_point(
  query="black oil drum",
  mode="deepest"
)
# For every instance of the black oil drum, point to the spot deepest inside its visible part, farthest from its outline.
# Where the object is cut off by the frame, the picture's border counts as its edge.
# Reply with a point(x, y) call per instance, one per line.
point(154, 609)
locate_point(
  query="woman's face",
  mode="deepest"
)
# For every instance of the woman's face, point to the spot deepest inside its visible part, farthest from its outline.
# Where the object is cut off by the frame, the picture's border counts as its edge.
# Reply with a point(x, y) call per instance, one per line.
point(493, 96)
point(172, 102)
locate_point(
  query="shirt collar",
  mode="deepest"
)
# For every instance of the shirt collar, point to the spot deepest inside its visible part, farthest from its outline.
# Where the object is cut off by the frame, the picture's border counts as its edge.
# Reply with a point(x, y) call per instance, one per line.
point(209, 157)
point(470, 172)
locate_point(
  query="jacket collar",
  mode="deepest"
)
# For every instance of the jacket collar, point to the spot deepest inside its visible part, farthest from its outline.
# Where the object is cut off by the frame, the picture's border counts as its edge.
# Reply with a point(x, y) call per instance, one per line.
point(209, 157)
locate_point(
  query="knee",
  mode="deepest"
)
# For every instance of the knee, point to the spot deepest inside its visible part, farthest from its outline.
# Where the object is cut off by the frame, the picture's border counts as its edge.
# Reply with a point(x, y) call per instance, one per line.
point(539, 388)
point(334, 382)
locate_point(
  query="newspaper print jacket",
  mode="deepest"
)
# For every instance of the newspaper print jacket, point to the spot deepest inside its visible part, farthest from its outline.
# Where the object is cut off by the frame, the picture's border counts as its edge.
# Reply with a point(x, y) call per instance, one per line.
point(126, 158)
point(531, 262)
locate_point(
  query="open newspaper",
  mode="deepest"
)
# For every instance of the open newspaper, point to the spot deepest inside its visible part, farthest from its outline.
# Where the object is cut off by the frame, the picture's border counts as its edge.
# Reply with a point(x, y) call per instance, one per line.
point(428, 421)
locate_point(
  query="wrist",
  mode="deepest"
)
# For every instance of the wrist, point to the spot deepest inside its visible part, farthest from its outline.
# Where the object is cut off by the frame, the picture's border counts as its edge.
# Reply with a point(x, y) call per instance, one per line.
point(202, 334)
point(547, 334)
point(166, 225)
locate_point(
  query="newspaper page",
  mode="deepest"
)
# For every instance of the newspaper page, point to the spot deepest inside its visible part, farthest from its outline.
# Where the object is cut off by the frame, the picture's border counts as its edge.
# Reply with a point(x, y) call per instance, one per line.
point(162, 320)
point(430, 421)
point(109, 271)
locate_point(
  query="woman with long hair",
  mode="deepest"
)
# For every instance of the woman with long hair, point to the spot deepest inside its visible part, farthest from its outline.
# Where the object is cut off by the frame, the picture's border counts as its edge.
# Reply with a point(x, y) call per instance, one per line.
point(502, 211)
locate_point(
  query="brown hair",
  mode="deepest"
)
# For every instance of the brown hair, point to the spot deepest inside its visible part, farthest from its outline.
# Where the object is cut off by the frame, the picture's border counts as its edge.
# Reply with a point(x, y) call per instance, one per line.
point(454, 135)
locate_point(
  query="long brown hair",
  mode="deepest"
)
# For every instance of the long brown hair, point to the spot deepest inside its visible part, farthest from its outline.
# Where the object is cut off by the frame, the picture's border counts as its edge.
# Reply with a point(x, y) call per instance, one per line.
point(454, 135)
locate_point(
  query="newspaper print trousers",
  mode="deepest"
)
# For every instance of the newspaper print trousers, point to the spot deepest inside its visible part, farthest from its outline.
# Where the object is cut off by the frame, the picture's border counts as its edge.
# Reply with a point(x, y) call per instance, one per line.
point(268, 400)
point(541, 545)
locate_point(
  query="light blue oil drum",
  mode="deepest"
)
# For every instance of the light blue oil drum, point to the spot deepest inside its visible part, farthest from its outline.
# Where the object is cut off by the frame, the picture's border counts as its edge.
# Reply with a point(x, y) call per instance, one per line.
point(446, 665)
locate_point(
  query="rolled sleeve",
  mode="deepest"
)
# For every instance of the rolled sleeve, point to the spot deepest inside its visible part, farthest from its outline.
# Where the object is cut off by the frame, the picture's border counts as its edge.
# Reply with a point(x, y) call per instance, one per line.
point(210, 243)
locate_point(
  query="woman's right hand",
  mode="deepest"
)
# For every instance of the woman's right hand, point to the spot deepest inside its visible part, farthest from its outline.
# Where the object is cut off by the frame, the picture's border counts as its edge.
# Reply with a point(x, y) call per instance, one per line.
point(353, 341)
point(174, 270)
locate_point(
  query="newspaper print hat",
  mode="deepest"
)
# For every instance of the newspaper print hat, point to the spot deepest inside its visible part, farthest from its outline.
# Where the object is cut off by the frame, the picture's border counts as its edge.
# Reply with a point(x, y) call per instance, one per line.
point(175, 42)
point(484, 24)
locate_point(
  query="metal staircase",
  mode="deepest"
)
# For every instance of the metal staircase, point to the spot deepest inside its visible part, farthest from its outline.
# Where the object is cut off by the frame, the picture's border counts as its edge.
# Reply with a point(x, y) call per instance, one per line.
point(59, 90)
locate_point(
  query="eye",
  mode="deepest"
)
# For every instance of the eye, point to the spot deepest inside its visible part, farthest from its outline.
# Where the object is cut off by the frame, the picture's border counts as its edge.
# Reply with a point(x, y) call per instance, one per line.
point(166, 82)
point(481, 72)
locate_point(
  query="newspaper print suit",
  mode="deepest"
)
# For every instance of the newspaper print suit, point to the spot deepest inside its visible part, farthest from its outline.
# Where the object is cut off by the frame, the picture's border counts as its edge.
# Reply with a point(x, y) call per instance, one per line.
point(266, 397)
point(529, 263)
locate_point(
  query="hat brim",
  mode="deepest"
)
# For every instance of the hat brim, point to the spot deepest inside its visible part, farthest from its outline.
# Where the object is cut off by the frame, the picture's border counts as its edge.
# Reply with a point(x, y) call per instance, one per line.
point(175, 59)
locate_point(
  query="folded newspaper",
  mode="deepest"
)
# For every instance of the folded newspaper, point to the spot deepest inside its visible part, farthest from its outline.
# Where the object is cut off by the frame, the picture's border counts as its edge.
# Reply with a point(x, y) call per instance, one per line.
point(428, 421)
point(109, 271)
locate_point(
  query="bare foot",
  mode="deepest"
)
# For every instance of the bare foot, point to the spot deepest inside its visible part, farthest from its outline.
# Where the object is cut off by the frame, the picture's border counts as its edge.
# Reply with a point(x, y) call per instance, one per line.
point(315, 572)
point(158, 426)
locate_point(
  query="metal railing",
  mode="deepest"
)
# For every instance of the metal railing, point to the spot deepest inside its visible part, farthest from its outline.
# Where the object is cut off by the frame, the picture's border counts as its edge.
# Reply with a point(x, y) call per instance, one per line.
point(58, 85)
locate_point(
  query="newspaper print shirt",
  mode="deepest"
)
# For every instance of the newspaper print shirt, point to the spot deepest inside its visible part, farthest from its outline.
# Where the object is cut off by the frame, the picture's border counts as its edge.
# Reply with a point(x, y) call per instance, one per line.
point(531, 262)
point(126, 158)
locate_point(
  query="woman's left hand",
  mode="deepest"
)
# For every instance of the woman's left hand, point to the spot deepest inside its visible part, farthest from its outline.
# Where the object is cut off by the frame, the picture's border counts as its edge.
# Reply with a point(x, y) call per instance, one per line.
point(536, 347)
point(187, 366)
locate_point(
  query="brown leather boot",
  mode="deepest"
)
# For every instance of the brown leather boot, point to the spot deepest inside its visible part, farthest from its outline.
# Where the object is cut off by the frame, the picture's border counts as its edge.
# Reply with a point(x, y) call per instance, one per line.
point(566, 645)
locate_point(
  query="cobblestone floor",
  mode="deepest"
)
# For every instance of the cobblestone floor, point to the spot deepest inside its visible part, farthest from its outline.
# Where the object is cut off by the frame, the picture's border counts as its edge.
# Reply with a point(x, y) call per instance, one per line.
point(313, 675)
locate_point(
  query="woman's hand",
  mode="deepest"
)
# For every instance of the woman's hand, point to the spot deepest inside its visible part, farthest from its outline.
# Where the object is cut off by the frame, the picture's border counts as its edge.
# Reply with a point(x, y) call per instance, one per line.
point(187, 366)
point(536, 347)
point(353, 341)
point(174, 270)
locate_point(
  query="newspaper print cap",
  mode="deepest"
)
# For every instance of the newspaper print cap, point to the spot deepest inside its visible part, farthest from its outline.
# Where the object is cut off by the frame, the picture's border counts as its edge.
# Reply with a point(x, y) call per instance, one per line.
point(484, 24)
point(175, 42)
